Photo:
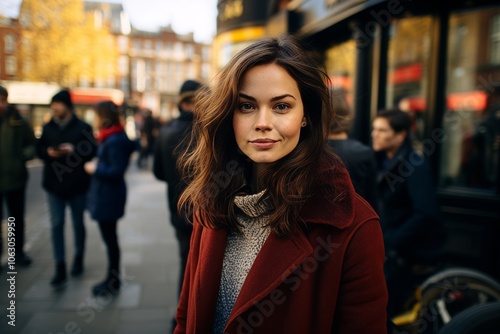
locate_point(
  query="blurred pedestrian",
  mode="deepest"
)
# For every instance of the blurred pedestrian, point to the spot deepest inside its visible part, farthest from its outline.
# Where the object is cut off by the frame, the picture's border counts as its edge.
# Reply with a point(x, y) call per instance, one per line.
point(279, 233)
point(358, 157)
point(17, 145)
point(172, 142)
point(66, 144)
point(149, 129)
point(108, 190)
point(409, 210)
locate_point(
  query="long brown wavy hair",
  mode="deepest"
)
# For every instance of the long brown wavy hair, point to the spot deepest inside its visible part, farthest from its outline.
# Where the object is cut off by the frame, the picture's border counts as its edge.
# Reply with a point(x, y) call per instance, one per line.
point(215, 168)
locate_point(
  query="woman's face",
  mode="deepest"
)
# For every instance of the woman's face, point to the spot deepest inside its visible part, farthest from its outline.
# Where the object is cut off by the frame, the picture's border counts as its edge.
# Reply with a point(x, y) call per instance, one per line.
point(269, 115)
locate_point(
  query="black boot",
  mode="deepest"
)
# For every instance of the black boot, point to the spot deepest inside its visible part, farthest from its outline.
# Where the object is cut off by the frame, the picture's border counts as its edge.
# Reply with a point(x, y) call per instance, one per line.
point(60, 276)
point(110, 285)
point(77, 268)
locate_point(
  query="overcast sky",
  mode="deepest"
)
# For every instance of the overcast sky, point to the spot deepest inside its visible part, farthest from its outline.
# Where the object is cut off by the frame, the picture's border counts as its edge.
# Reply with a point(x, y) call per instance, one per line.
point(197, 16)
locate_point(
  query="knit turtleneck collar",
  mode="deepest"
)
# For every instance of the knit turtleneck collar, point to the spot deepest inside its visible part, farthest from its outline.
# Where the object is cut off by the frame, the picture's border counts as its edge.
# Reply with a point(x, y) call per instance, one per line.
point(252, 205)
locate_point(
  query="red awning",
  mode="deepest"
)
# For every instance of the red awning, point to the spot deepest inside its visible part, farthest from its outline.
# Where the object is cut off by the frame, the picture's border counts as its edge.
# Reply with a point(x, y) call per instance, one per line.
point(413, 103)
point(405, 74)
point(475, 100)
point(91, 96)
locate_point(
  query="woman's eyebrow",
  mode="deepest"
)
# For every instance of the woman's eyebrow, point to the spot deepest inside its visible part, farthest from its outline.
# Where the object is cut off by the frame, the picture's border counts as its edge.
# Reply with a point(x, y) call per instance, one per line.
point(248, 97)
point(276, 98)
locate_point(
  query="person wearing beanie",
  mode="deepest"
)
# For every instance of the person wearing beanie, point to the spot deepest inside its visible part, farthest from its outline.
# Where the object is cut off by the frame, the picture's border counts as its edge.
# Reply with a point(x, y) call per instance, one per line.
point(149, 131)
point(63, 97)
point(17, 145)
point(172, 141)
point(66, 144)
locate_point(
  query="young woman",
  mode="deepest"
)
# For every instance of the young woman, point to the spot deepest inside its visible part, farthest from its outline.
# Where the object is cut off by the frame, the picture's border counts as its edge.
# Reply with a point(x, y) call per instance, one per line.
point(108, 191)
point(281, 241)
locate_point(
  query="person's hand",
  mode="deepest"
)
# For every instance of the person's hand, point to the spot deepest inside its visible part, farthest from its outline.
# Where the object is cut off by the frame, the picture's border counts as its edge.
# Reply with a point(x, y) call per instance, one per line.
point(53, 152)
point(66, 148)
point(90, 167)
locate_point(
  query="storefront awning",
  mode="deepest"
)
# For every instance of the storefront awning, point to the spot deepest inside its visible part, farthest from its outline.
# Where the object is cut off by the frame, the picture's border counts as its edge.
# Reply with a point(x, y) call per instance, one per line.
point(474, 100)
point(91, 96)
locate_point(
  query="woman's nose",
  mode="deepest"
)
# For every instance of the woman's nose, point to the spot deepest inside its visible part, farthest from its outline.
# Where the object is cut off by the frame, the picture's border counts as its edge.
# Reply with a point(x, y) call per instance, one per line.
point(263, 122)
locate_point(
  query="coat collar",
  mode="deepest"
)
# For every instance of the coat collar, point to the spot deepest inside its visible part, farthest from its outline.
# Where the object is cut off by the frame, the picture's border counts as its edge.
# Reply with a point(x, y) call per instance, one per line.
point(333, 201)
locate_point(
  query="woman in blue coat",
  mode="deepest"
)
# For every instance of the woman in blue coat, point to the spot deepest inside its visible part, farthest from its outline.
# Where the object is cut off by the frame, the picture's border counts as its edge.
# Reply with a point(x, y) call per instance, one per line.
point(108, 191)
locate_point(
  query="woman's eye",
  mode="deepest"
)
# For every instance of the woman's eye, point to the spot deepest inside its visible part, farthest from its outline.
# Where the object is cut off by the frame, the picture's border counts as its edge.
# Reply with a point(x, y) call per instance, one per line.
point(282, 107)
point(246, 106)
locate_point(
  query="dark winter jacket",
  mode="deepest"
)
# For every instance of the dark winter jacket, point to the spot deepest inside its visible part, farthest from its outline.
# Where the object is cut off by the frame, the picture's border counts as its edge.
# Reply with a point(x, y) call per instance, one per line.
point(360, 162)
point(166, 153)
point(65, 176)
point(108, 191)
point(17, 145)
point(409, 209)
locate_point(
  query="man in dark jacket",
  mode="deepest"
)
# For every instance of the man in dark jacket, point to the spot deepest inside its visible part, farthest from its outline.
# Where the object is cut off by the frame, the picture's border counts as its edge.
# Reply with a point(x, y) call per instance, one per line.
point(67, 143)
point(17, 145)
point(409, 209)
point(172, 141)
point(357, 157)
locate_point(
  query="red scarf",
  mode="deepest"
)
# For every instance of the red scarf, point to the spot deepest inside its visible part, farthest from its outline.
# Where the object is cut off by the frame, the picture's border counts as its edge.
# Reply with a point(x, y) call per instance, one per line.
point(105, 133)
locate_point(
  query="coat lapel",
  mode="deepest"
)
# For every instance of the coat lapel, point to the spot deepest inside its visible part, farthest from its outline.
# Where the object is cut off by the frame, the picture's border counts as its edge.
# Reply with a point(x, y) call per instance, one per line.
point(212, 248)
point(277, 259)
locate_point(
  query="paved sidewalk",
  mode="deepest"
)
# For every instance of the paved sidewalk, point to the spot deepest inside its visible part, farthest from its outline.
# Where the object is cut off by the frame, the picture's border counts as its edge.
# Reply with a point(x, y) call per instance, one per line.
point(150, 268)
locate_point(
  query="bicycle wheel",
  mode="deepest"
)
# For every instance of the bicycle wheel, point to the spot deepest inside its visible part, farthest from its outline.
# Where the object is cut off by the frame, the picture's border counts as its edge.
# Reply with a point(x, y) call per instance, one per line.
point(483, 318)
point(451, 291)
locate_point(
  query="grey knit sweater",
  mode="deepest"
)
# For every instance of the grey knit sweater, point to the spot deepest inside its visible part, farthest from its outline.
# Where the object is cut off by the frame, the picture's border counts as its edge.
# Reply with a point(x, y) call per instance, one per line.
point(241, 250)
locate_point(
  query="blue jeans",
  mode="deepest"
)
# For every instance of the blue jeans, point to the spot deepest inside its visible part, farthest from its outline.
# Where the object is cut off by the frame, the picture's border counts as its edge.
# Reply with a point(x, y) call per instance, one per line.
point(57, 206)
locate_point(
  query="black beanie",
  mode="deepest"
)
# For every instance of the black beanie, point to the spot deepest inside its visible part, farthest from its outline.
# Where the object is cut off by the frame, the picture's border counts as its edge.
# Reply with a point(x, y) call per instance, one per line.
point(64, 97)
point(188, 89)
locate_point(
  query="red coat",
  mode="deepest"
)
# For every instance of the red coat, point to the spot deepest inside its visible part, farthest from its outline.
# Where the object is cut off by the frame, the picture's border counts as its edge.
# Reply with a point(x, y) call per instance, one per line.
point(326, 279)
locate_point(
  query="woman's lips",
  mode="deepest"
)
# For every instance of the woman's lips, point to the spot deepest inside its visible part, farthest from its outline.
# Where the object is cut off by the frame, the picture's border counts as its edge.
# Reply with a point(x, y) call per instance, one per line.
point(263, 143)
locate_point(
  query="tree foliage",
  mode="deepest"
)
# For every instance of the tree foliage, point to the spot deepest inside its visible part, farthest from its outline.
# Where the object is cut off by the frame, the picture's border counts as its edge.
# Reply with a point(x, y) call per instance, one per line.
point(62, 44)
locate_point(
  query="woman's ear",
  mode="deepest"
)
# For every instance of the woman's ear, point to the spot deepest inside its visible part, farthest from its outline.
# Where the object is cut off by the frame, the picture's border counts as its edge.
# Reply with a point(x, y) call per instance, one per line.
point(304, 121)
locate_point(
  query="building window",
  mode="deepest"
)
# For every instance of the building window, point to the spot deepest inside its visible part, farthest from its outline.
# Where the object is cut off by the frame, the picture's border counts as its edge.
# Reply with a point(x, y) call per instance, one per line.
point(409, 54)
point(205, 53)
point(495, 39)
point(471, 150)
point(123, 65)
point(159, 46)
point(10, 65)
point(139, 75)
point(178, 49)
point(10, 43)
point(148, 45)
point(123, 44)
point(189, 51)
point(137, 44)
point(341, 66)
point(205, 71)
point(98, 19)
